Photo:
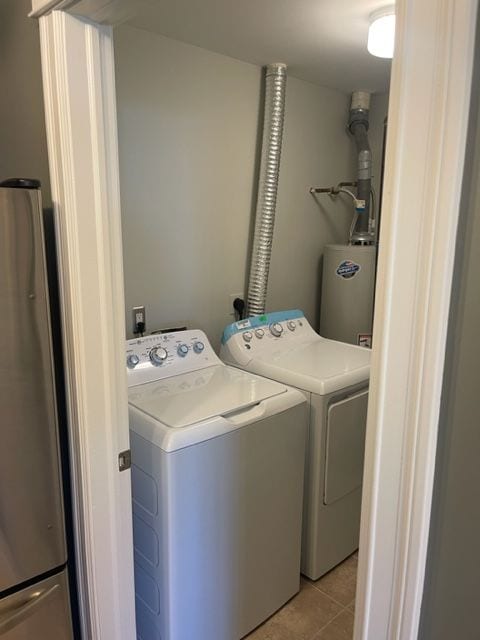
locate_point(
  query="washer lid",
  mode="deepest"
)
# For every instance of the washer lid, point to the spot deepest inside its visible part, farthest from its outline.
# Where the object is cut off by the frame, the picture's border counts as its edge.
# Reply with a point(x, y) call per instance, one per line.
point(320, 366)
point(189, 398)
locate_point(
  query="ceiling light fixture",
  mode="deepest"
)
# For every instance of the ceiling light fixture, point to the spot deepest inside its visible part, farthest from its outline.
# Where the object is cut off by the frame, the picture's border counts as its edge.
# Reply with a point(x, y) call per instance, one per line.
point(381, 33)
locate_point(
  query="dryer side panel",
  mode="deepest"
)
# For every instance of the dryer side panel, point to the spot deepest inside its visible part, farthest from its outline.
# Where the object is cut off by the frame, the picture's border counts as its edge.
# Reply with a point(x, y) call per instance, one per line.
point(345, 446)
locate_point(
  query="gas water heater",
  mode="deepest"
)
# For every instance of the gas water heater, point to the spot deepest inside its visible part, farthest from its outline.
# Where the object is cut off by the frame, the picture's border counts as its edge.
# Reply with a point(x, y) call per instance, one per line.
point(348, 288)
point(348, 283)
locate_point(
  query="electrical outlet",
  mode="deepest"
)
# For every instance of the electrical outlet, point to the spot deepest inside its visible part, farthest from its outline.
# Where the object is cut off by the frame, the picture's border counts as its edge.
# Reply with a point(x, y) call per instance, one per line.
point(231, 298)
point(138, 314)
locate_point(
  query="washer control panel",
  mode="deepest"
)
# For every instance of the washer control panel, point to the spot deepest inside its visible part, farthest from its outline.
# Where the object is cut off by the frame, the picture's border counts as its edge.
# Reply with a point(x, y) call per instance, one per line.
point(160, 356)
point(247, 338)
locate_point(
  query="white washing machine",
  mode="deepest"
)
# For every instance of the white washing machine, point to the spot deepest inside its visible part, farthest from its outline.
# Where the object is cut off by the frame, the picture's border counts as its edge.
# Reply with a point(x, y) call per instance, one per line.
point(217, 476)
point(334, 377)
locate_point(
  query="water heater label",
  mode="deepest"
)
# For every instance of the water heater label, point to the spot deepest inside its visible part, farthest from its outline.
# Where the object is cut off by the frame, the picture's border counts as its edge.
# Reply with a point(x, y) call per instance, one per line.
point(347, 269)
point(364, 340)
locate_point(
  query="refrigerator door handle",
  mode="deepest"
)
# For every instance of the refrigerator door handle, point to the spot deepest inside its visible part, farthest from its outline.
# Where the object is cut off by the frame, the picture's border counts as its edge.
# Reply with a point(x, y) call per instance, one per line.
point(12, 616)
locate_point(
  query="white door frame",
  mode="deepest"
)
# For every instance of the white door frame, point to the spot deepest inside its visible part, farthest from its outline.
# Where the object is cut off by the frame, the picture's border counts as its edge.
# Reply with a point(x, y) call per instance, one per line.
point(80, 105)
point(428, 117)
point(430, 93)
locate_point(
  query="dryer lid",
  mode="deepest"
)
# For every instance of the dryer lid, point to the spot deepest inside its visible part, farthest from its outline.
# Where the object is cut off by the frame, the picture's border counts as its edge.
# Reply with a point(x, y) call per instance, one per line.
point(321, 366)
point(183, 400)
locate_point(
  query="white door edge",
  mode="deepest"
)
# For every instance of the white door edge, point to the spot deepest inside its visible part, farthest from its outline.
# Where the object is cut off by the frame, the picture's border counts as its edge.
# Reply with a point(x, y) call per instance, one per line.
point(79, 92)
point(428, 116)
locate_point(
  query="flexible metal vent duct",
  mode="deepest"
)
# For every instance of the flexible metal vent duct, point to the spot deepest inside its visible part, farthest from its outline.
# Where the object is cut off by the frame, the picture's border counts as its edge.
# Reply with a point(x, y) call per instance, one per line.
point(275, 84)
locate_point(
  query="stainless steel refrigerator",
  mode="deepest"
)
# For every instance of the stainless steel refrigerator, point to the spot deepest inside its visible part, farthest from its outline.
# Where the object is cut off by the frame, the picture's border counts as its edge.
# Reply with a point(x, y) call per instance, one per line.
point(34, 593)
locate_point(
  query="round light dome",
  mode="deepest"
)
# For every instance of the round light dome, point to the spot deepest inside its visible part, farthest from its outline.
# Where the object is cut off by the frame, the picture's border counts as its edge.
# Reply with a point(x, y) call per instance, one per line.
point(381, 34)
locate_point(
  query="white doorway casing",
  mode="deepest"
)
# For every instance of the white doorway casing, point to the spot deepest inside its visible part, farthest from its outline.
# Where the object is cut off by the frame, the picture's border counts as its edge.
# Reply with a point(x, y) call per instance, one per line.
point(430, 93)
point(79, 91)
point(427, 121)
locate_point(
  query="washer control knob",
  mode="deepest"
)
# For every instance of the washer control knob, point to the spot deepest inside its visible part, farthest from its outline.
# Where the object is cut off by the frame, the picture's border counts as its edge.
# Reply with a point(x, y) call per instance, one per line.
point(276, 329)
point(291, 325)
point(182, 350)
point(158, 355)
point(247, 336)
point(198, 347)
point(259, 333)
point(132, 361)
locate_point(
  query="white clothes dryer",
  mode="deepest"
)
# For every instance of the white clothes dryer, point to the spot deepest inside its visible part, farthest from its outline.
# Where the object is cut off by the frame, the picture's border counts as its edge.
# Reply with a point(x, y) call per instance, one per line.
point(217, 480)
point(334, 377)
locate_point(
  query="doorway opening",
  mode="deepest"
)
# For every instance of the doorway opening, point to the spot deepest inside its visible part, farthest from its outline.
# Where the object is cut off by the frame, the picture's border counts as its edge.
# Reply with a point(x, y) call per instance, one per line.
point(190, 146)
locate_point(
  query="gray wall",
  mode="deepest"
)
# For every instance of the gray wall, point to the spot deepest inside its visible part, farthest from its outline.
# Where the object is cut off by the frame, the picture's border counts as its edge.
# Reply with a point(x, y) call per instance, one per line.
point(452, 586)
point(23, 145)
point(188, 125)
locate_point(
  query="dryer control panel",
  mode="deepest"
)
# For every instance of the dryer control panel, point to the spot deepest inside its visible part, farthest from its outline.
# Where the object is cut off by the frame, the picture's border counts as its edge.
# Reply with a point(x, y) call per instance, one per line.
point(243, 340)
point(160, 356)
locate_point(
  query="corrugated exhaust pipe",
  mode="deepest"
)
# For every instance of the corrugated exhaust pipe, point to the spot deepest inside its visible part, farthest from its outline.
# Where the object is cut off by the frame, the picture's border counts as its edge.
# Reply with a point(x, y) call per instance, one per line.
point(275, 85)
point(358, 124)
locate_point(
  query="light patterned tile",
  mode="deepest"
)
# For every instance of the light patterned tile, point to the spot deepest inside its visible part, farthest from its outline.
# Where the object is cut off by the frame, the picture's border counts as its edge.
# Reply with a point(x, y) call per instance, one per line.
point(340, 583)
point(340, 628)
point(299, 619)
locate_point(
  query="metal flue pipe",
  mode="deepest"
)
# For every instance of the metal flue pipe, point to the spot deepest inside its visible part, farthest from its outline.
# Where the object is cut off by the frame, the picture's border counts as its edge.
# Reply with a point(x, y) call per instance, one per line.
point(275, 85)
point(358, 124)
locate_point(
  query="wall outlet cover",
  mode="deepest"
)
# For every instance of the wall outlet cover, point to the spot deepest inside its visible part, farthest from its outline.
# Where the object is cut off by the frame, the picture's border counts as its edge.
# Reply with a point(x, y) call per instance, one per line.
point(231, 298)
point(138, 316)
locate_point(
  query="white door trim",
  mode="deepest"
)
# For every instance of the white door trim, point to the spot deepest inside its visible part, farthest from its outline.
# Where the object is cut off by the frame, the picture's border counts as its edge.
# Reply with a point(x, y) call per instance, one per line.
point(43, 7)
point(429, 105)
point(427, 129)
point(79, 90)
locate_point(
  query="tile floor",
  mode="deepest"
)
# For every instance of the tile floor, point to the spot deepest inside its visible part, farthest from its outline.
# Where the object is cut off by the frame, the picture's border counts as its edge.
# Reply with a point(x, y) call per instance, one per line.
point(323, 610)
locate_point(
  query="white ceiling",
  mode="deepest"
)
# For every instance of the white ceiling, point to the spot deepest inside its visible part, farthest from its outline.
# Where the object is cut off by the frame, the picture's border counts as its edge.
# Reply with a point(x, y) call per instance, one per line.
point(322, 41)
